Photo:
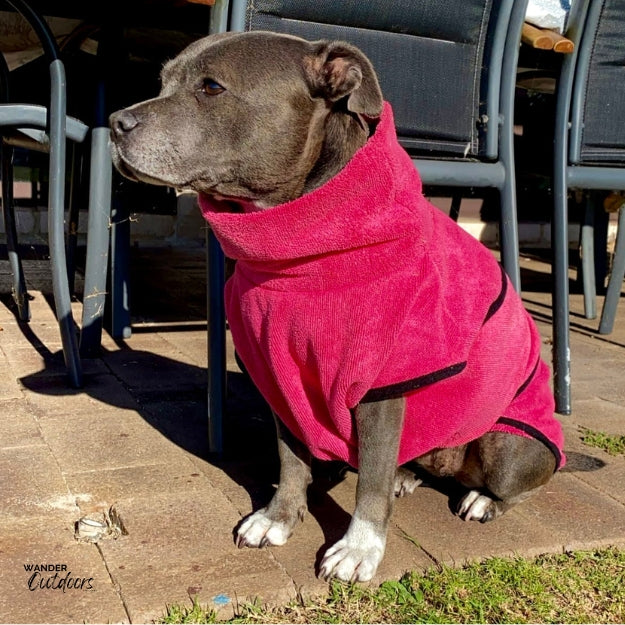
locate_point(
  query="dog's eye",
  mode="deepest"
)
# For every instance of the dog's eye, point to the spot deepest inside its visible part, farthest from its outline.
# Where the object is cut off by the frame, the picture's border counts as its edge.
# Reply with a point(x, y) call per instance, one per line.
point(210, 87)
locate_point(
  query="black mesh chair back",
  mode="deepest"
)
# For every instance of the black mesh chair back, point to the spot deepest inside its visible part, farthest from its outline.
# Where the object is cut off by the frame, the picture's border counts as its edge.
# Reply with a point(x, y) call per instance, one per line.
point(597, 110)
point(421, 51)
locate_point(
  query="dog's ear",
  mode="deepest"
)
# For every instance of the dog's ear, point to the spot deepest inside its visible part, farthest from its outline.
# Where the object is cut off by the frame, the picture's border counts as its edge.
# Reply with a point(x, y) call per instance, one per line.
point(339, 70)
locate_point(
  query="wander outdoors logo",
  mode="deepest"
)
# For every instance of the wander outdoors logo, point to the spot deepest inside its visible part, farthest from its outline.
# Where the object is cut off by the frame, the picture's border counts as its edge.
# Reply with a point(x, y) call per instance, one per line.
point(55, 577)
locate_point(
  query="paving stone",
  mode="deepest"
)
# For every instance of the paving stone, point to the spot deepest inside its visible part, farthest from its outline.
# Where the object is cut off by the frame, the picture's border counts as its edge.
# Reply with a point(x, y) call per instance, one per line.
point(599, 415)
point(92, 597)
point(595, 467)
point(193, 343)
point(42, 306)
point(162, 369)
point(426, 517)
point(7, 314)
point(179, 547)
point(147, 338)
point(150, 589)
point(596, 367)
point(101, 391)
point(98, 488)
point(181, 419)
point(105, 440)
point(9, 387)
point(247, 483)
point(32, 485)
point(18, 425)
point(26, 360)
point(29, 362)
point(577, 515)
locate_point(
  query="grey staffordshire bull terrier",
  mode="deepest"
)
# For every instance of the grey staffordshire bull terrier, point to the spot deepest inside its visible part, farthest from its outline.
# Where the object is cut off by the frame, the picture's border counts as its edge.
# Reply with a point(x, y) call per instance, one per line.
point(260, 119)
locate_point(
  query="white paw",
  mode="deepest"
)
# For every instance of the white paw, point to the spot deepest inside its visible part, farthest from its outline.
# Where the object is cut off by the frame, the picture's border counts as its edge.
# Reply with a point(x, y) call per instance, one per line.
point(356, 556)
point(406, 482)
point(475, 506)
point(258, 530)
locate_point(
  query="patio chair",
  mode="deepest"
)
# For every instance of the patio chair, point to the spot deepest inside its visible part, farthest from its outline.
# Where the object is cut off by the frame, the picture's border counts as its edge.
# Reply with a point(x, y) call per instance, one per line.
point(47, 129)
point(448, 68)
point(589, 155)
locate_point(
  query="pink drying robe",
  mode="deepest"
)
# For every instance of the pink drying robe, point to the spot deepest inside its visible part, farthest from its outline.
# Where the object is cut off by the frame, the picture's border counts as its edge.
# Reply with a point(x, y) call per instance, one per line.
point(362, 290)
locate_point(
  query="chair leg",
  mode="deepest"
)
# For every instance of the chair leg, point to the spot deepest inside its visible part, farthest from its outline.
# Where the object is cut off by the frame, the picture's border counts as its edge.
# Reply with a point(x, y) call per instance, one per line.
point(454, 209)
point(98, 230)
point(216, 323)
point(20, 295)
point(74, 202)
point(587, 254)
point(561, 339)
point(216, 316)
point(120, 262)
point(56, 226)
point(509, 235)
point(615, 283)
point(508, 223)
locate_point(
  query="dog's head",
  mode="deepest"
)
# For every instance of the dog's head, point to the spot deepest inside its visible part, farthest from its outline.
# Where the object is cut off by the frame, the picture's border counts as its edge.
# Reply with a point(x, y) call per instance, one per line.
point(256, 116)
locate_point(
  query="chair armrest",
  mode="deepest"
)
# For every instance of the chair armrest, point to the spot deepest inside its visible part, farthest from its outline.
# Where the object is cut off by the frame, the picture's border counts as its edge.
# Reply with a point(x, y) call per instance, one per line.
point(36, 116)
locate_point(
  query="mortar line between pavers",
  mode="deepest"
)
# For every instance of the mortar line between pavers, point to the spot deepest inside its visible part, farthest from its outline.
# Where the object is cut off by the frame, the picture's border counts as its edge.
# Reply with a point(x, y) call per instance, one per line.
point(117, 468)
point(114, 583)
point(53, 455)
point(589, 333)
point(607, 400)
point(404, 535)
point(180, 351)
point(599, 489)
point(284, 569)
point(65, 474)
point(29, 446)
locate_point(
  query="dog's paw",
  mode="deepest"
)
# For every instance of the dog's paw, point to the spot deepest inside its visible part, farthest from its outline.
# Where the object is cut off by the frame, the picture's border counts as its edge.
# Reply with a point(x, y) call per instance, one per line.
point(476, 506)
point(354, 558)
point(258, 530)
point(406, 482)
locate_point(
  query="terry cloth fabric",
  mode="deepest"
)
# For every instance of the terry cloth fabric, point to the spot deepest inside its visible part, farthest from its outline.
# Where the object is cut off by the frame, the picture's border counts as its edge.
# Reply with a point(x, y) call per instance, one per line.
point(362, 290)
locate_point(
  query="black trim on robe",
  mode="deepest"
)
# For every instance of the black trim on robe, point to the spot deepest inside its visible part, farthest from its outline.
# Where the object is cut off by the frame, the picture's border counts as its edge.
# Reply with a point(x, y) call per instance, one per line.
point(534, 433)
point(529, 379)
point(497, 304)
point(393, 391)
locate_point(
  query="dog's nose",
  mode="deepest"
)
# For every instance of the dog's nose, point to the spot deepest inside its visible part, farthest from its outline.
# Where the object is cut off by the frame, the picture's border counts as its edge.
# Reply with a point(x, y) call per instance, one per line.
point(122, 122)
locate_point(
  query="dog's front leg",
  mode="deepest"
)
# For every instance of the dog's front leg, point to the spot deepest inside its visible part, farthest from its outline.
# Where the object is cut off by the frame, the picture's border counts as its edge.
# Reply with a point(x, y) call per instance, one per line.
point(356, 556)
point(274, 524)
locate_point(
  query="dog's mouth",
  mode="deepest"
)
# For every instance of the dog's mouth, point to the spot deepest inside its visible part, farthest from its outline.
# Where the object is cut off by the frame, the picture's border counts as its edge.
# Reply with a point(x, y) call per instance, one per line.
point(244, 202)
point(132, 173)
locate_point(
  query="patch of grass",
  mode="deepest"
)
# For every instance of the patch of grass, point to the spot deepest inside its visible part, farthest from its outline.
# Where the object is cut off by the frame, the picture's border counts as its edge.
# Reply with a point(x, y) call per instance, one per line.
point(576, 587)
point(612, 443)
point(194, 614)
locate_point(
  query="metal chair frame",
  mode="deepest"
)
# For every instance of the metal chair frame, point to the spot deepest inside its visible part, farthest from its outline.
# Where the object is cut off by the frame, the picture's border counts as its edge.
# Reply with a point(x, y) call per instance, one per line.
point(570, 172)
point(50, 128)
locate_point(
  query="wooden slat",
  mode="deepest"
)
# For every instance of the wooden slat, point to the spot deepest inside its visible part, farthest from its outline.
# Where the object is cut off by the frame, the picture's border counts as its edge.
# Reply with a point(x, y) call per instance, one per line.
point(560, 44)
point(536, 38)
point(544, 39)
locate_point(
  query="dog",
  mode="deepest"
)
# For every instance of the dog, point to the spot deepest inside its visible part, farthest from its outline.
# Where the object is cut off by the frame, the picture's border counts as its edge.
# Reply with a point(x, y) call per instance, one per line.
point(378, 331)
